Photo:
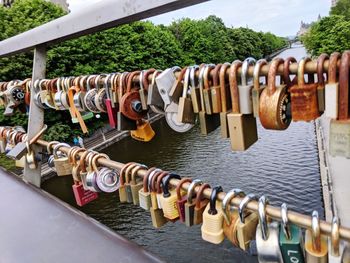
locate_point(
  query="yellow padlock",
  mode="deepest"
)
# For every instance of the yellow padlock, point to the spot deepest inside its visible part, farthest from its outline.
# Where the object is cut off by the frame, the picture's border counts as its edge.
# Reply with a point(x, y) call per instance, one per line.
point(143, 132)
point(169, 198)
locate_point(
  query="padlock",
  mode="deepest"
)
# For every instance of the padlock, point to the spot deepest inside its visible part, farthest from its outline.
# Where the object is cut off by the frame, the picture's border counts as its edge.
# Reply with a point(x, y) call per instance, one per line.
point(158, 185)
point(246, 227)
point(242, 127)
point(169, 197)
point(201, 203)
point(62, 164)
point(213, 218)
point(165, 81)
point(157, 215)
point(122, 179)
point(288, 82)
point(82, 196)
point(339, 137)
point(335, 237)
point(190, 205)
point(177, 88)
point(316, 245)
point(256, 91)
point(321, 82)
point(72, 153)
point(245, 89)
point(231, 216)
point(185, 112)
point(143, 132)
point(153, 188)
point(153, 96)
point(206, 90)
point(21, 162)
point(304, 102)
point(267, 235)
point(181, 198)
point(129, 198)
point(274, 102)
point(194, 89)
point(136, 184)
point(107, 180)
point(225, 100)
point(332, 87)
point(92, 174)
point(142, 91)
point(2, 140)
point(208, 123)
point(171, 112)
point(345, 257)
point(144, 193)
point(111, 109)
point(215, 90)
point(290, 238)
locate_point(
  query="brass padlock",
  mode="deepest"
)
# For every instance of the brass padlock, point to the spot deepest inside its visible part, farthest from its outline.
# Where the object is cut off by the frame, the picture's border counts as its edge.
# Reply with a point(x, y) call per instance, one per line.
point(213, 218)
point(62, 164)
point(144, 84)
point(157, 214)
point(194, 90)
point(190, 205)
point(122, 179)
point(231, 216)
point(129, 196)
point(185, 112)
point(332, 87)
point(215, 95)
point(245, 89)
point(304, 102)
point(225, 100)
point(246, 227)
point(177, 88)
point(181, 198)
point(242, 127)
point(274, 102)
point(201, 203)
point(159, 188)
point(339, 137)
point(72, 156)
point(316, 245)
point(153, 97)
point(208, 123)
point(169, 197)
point(136, 184)
point(257, 89)
point(208, 107)
point(144, 193)
point(152, 187)
point(321, 82)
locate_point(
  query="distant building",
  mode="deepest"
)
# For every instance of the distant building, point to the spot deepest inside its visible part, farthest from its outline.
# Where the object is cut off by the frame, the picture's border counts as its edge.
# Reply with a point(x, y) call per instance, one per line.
point(334, 2)
point(62, 3)
point(304, 27)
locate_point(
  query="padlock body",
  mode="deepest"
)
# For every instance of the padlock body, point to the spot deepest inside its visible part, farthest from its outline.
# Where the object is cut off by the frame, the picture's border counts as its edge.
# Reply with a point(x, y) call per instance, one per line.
point(195, 98)
point(339, 138)
point(292, 249)
point(269, 250)
point(215, 99)
point(185, 111)
point(245, 99)
point(158, 219)
point(21, 162)
point(165, 82)
point(135, 188)
point(255, 101)
point(125, 124)
point(321, 98)
point(304, 102)
point(312, 255)
point(128, 193)
point(230, 229)
point(154, 200)
point(82, 196)
point(207, 101)
point(169, 205)
point(208, 123)
point(63, 166)
point(122, 194)
point(243, 131)
point(198, 212)
point(331, 100)
point(145, 199)
point(212, 230)
point(180, 204)
point(246, 231)
point(225, 133)
point(143, 133)
point(189, 213)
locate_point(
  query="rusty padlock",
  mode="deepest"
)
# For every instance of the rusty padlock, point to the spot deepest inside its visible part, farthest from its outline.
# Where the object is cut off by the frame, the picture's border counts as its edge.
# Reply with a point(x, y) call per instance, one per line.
point(332, 87)
point(225, 100)
point(181, 198)
point(321, 82)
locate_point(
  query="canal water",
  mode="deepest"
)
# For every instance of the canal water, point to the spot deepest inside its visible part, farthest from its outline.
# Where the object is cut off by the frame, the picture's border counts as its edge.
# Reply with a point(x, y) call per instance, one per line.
point(283, 165)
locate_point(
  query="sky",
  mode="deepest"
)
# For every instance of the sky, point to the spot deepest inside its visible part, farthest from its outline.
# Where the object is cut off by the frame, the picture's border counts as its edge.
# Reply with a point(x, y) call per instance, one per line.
point(281, 17)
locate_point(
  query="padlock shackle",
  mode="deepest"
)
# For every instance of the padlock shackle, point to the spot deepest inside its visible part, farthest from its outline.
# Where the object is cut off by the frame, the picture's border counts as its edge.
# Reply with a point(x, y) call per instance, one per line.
point(243, 204)
point(226, 203)
point(335, 237)
point(128, 172)
point(206, 75)
point(216, 75)
point(234, 85)
point(165, 183)
point(159, 181)
point(256, 73)
point(153, 174)
point(320, 63)
point(286, 71)
point(301, 70)
point(200, 193)
point(343, 107)
point(146, 74)
point(223, 90)
point(316, 231)
point(145, 179)
point(212, 201)
point(122, 173)
point(190, 190)
point(271, 82)
point(284, 220)
point(186, 82)
point(263, 201)
point(130, 80)
point(250, 61)
point(193, 75)
point(135, 171)
point(179, 185)
point(333, 67)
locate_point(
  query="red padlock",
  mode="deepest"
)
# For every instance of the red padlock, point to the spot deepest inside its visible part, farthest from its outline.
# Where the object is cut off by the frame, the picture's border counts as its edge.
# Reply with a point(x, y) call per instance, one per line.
point(82, 196)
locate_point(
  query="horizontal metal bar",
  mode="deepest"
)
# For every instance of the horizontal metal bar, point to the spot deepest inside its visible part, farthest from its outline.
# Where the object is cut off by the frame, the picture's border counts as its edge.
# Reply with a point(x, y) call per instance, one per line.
point(97, 17)
point(299, 219)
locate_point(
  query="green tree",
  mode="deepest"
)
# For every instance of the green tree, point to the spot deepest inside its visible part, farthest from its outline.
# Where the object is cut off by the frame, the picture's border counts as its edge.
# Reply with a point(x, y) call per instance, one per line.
point(342, 8)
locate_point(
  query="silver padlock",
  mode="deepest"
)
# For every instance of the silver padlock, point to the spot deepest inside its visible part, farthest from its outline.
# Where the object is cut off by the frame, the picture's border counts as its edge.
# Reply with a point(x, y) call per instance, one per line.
point(153, 96)
point(245, 89)
point(165, 82)
point(267, 234)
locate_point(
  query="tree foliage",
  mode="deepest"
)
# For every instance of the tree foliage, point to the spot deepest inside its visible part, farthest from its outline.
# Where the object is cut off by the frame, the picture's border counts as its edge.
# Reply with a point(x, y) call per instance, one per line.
point(342, 8)
point(138, 45)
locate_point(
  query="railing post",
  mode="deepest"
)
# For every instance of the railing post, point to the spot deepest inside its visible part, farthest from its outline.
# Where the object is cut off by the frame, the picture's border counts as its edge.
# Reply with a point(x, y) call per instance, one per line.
point(36, 114)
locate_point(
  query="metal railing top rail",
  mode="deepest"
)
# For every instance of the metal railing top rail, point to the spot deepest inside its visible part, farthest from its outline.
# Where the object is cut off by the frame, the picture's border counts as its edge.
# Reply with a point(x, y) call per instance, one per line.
point(100, 16)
